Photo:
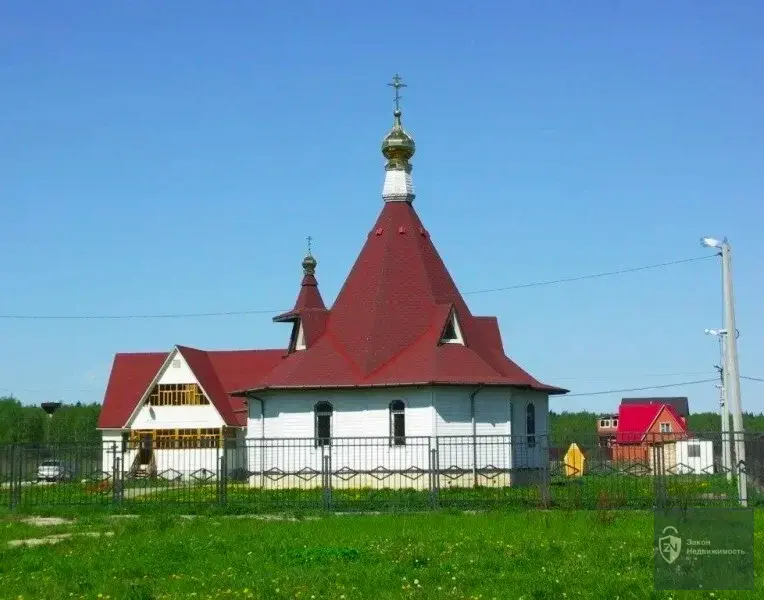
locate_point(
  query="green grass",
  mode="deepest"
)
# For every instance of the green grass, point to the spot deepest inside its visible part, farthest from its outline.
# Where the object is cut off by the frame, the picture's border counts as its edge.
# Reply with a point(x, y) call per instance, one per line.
point(510, 555)
point(590, 491)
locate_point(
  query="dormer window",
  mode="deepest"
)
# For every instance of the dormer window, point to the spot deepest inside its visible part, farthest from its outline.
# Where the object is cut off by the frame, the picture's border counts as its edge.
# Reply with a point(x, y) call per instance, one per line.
point(300, 344)
point(297, 339)
point(452, 333)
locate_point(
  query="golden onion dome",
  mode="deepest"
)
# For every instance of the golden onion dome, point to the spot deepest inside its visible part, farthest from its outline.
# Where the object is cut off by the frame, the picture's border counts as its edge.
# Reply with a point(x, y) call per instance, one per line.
point(309, 265)
point(398, 146)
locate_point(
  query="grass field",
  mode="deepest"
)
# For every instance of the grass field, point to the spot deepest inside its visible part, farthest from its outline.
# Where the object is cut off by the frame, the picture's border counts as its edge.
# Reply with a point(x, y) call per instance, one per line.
point(508, 555)
point(591, 491)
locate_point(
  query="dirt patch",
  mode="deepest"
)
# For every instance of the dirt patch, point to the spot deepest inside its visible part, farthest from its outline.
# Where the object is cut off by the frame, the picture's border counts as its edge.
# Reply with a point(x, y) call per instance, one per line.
point(55, 539)
point(271, 517)
point(47, 521)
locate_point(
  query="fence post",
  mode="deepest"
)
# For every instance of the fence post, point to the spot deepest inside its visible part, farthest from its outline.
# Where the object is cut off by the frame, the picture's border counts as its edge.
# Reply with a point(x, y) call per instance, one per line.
point(12, 480)
point(116, 472)
point(546, 499)
point(659, 482)
point(434, 475)
point(223, 479)
point(326, 478)
point(18, 469)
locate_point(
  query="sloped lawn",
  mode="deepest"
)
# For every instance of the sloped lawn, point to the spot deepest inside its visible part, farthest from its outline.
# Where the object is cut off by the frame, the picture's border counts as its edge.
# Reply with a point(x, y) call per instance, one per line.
point(512, 555)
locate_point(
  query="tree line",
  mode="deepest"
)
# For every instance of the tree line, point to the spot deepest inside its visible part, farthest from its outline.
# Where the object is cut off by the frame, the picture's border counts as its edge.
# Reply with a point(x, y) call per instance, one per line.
point(76, 423)
point(29, 424)
point(581, 427)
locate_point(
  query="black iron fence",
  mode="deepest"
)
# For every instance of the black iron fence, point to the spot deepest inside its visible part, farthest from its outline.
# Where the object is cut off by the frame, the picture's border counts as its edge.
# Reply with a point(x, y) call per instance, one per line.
point(346, 474)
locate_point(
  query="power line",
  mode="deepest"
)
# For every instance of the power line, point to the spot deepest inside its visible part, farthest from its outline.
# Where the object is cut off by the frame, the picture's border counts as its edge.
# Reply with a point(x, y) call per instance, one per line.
point(635, 376)
point(593, 276)
point(273, 311)
point(761, 379)
point(640, 389)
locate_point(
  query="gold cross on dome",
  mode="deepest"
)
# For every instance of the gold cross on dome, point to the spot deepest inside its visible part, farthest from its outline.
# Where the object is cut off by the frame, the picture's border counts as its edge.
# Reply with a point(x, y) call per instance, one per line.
point(397, 83)
point(310, 240)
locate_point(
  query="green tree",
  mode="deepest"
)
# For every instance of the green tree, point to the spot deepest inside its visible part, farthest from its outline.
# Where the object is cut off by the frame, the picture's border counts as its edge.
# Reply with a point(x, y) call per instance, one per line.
point(19, 423)
point(569, 427)
point(75, 424)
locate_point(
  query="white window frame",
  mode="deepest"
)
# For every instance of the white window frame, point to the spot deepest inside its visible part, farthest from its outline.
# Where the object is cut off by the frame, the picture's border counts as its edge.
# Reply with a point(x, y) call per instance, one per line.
point(300, 343)
point(459, 339)
point(530, 411)
point(319, 441)
point(393, 412)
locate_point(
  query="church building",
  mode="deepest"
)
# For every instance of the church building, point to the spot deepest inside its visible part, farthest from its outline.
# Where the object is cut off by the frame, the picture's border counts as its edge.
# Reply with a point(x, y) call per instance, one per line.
point(397, 361)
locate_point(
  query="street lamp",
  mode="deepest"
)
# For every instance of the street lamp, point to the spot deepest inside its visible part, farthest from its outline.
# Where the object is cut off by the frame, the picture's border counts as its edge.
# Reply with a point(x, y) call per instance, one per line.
point(732, 375)
point(724, 405)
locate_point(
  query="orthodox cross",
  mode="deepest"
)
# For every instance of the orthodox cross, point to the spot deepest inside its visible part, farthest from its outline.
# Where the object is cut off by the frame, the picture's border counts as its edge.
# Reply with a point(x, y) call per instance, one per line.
point(310, 240)
point(397, 84)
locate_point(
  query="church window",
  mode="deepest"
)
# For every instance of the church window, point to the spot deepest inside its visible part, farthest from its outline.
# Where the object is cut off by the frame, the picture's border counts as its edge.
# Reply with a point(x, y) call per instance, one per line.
point(452, 333)
point(397, 423)
point(176, 394)
point(323, 433)
point(530, 424)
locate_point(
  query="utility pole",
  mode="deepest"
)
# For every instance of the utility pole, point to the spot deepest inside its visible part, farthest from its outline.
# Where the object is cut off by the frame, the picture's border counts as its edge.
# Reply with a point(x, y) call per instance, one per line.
point(732, 375)
point(723, 405)
point(732, 378)
point(725, 413)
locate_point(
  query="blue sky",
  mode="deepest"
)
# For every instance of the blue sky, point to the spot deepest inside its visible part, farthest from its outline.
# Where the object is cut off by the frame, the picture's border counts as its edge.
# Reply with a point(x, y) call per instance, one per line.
point(172, 157)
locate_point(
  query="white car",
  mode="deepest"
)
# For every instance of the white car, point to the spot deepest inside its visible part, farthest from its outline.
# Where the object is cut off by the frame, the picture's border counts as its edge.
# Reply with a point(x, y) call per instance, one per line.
point(53, 470)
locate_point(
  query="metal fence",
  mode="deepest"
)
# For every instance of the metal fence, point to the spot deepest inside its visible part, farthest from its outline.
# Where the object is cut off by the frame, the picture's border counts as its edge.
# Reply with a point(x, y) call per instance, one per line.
point(416, 473)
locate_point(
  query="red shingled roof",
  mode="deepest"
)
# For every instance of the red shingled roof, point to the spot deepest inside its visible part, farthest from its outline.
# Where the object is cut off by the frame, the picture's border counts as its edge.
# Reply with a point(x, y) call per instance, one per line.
point(309, 298)
point(131, 375)
point(218, 372)
point(385, 326)
point(383, 330)
point(635, 420)
point(309, 310)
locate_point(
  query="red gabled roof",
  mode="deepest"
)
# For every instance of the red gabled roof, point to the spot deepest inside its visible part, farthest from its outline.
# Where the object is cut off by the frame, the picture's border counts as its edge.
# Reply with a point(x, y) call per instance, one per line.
point(635, 420)
point(218, 372)
point(234, 368)
point(385, 325)
point(131, 375)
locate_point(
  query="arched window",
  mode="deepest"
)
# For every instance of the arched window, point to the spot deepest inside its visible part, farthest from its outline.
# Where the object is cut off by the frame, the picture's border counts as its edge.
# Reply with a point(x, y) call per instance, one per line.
point(323, 412)
point(397, 423)
point(530, 424)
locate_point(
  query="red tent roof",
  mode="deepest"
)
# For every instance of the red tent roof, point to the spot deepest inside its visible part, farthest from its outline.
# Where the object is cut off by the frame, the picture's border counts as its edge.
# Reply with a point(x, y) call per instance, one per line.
point(309, 298)
point(385, 326)
point(635, 420)
point(218, 372)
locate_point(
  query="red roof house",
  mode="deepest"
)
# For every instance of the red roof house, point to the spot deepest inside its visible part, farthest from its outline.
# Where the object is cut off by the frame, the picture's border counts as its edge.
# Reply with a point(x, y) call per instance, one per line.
point(642, 425)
